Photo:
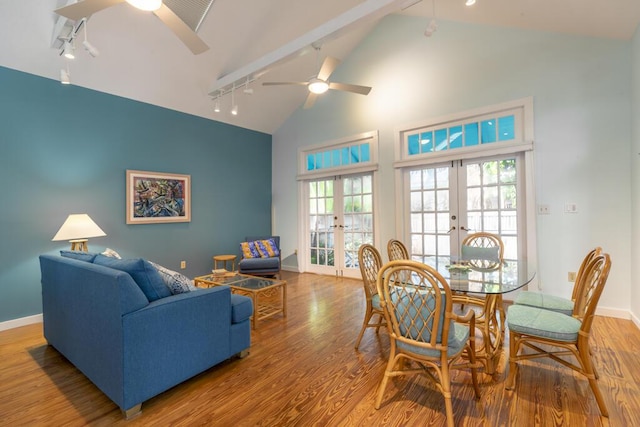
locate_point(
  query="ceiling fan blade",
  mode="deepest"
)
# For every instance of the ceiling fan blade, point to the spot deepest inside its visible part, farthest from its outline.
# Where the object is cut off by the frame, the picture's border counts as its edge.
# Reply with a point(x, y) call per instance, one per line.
point(328, 66)
point(311, 99)
point(182, 30)
point(85, 8)
point(284, 83)
point(362, 90)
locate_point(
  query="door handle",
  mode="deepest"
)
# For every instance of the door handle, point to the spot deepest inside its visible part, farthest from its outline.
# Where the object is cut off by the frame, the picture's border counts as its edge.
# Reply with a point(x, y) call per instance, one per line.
point(463, 228)
point(451, 229)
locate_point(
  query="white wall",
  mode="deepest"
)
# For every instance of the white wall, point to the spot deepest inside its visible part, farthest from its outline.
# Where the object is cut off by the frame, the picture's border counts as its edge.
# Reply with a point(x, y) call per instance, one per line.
point(582, 104)
point(635, 173)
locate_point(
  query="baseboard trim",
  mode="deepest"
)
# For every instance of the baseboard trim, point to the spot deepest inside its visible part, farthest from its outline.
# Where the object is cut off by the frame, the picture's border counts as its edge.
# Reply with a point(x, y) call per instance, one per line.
point(291, 268)
point(23, 321)
point(613, 312)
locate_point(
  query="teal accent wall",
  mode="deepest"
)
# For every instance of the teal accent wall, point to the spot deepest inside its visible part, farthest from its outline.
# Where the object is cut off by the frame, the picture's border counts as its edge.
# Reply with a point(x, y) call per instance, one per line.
point(66, 149)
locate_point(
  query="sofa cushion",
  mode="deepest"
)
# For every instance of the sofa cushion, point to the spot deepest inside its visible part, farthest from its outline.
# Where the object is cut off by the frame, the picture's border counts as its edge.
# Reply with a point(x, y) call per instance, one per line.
point(176, 282)
point(241, 308)
point(143, 273)
point(79, 255)
point(249, 250)
point(259, 263)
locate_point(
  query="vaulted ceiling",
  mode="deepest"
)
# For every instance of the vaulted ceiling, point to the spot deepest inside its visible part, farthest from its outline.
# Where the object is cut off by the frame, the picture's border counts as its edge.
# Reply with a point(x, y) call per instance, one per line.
point(142, 60)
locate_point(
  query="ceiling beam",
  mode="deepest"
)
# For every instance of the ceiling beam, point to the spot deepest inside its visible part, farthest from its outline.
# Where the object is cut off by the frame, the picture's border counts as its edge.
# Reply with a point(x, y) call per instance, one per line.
point(364, 12)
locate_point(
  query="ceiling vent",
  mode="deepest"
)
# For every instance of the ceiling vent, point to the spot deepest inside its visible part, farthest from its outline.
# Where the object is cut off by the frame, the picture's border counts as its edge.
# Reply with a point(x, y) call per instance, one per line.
point(192, 12)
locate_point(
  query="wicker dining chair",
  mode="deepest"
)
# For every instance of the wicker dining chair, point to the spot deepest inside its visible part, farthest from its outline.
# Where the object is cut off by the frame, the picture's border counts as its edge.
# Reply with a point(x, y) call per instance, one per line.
point(370, 262)
point(396, 250)
point(556, 303)
point(423, 329)
point(561, 335)
point(482, 249)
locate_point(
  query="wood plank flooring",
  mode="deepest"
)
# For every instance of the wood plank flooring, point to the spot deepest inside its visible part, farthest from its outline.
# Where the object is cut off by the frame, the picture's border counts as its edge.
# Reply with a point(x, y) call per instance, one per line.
point(303, 371)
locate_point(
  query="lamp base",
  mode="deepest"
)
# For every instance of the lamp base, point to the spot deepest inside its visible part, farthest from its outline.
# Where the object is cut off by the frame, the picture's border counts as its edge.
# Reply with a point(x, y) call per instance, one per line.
point(79, 245)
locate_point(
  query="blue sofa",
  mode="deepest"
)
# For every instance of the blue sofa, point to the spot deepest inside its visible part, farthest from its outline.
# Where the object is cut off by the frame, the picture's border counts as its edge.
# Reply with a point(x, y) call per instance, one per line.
point(132, 349)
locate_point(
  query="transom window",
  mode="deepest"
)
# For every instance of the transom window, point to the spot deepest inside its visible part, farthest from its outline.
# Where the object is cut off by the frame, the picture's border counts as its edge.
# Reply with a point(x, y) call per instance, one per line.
point(470, 134)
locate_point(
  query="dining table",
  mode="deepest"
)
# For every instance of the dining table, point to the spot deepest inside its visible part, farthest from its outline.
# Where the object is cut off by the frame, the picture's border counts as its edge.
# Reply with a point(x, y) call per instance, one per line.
point(481, 285)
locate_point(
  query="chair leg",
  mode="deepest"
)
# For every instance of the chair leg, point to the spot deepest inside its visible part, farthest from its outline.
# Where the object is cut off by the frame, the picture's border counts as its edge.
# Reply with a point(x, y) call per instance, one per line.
point(514, 346)
point(367, 318)
point(587, 365)
point(383, 385)
point(446, 392)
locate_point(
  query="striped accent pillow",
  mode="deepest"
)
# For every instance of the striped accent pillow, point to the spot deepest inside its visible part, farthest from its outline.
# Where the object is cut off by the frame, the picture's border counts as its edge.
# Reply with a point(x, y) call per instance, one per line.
point(249, 250)
point(267, 248)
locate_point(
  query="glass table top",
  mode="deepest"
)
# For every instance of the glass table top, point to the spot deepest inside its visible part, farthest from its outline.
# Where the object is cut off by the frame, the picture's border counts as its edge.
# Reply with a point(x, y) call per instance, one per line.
point(467, 276)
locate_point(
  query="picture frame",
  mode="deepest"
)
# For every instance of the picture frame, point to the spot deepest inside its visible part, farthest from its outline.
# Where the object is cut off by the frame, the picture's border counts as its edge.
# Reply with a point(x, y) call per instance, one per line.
point(156, 197)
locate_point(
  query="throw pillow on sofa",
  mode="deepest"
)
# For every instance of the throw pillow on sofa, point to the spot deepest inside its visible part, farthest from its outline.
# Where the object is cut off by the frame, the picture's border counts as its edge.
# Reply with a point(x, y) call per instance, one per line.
point(176, 282)
point(143, 273)
point(79, 255)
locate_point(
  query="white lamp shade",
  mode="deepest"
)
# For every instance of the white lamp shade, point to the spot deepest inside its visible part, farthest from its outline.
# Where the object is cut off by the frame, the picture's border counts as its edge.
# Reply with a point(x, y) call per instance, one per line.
point(78, 226)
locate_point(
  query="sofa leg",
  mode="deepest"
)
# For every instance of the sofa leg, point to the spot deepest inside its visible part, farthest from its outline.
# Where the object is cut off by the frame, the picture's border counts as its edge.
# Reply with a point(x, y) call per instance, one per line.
point(243, 354)
point(132, 412)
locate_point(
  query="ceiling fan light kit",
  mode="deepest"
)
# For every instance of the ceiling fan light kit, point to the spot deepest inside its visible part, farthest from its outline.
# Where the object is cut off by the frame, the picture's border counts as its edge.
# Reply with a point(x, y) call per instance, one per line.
point(148, 5)
point(318, 86)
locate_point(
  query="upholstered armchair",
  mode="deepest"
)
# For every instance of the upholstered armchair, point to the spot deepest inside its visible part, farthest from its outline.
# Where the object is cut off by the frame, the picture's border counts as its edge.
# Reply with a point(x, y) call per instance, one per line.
point(260, 256)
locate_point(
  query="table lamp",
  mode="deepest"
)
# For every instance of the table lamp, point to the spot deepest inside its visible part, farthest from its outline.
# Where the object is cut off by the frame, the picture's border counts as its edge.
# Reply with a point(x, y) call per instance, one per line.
point(77, 229)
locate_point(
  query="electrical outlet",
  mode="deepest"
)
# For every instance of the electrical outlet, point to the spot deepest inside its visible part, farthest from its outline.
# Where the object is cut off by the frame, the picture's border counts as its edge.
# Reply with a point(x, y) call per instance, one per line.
point(544, 210)
point(571, 276)
point(183, 264)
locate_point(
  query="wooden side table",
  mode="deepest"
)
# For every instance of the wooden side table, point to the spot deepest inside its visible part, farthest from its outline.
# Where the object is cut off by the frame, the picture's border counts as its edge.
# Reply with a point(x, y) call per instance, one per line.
point(224, 259)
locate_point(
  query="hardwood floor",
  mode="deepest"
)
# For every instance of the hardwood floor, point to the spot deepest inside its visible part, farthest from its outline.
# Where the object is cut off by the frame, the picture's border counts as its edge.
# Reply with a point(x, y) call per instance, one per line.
point(303, 371)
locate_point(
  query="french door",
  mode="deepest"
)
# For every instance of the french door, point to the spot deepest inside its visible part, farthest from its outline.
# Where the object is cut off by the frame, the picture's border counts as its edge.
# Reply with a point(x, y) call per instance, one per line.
point(339, 220)
point(449, 200)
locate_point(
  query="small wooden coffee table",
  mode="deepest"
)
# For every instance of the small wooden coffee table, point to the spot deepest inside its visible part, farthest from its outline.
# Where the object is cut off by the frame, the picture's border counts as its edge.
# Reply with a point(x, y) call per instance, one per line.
point(269, 296)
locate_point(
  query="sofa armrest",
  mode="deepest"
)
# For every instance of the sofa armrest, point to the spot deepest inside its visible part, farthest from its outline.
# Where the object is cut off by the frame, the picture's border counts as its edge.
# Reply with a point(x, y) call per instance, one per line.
point(173, 339)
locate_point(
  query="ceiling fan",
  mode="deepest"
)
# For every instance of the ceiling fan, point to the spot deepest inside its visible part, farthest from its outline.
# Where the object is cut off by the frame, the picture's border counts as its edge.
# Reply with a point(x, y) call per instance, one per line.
point(86, 8)
point(319, 84)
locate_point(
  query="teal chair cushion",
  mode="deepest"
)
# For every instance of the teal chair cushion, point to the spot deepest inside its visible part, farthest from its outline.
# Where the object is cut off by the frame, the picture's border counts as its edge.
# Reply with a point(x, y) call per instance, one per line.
point(375, 302)
point(542, 323)
point(548, 302)
point(473, 252)
point(458, 337)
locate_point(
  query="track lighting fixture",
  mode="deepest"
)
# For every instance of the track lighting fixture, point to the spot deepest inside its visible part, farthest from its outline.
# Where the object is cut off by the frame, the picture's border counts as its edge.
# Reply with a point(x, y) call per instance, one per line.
point(67, 50)
point(234, 107)
point(148, 5)
point(433, 25)
point(431, 28)
point(247, 90)
point(88, 46)
point(65, 77)
point(470, 2)
point(216, 109)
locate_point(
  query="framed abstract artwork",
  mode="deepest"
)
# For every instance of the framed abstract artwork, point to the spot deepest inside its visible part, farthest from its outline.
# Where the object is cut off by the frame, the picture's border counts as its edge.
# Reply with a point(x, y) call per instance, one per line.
point(154, 197)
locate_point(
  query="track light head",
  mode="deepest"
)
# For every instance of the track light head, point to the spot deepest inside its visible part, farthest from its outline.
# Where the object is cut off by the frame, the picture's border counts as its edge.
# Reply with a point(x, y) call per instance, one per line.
point(234, 110)
point(65, 77)
point(470, 2)
point(90, 48)
point(67, 50)
point(431, 28)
